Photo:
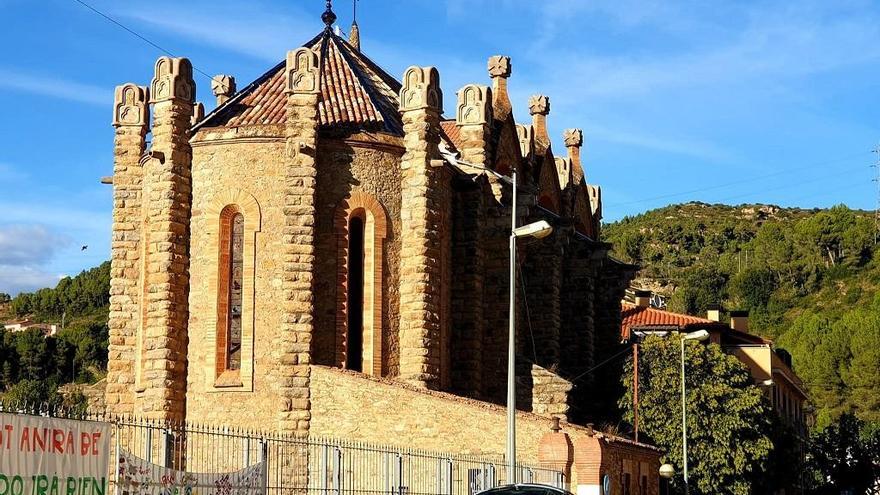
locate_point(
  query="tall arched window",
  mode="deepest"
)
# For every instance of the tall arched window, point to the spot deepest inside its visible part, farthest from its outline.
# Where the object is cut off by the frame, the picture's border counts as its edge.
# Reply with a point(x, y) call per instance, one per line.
point(361, 226)
point(230, 283)
point(354, 338)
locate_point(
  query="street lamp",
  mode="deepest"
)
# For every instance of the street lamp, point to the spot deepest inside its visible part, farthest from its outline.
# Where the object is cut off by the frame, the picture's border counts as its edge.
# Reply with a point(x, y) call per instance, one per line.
point(699, 336)
point(537, 230)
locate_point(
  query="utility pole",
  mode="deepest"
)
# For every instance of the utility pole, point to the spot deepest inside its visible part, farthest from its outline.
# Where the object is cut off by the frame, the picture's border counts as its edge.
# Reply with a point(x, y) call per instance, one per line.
point(876, 180)
point(636, 389)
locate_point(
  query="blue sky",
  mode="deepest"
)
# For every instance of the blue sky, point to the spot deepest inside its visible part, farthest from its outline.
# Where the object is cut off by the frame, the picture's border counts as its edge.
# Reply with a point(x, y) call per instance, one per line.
point(772, 102)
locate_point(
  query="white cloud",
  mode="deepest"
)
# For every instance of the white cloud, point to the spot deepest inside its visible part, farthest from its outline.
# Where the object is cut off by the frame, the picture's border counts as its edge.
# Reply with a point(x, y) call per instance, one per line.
point(17, 80)
point(15, 279)
point(25, 250)
point(28, 244)
point(255, 31)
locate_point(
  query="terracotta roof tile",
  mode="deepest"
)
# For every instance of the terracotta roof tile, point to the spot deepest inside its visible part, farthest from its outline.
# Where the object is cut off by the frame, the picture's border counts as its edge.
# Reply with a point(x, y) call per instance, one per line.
point(636, 317)
point(451, 130)
point(354, 91)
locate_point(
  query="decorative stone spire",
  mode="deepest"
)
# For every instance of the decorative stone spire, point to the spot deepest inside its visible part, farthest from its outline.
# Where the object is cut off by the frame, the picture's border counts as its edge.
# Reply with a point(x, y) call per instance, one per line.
point(354, 36)
point(328, 16)
point(223, 87)
point(574, 138)
point(499, 70)
point(539, 108)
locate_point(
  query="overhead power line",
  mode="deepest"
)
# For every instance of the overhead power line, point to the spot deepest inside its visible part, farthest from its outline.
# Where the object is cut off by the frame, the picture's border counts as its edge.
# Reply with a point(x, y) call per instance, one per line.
point(740, 181)
point(138, 35)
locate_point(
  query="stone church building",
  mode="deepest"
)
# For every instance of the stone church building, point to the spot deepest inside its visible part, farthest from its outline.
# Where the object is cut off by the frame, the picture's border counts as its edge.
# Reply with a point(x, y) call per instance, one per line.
point(304, 259)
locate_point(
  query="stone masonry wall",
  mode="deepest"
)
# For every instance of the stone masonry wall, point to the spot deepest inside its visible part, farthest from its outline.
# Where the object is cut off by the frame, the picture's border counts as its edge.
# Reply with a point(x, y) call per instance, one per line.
point(246, 166)
point(130, 119)
point(344, 166)
point(166, 208)
point(352, 406)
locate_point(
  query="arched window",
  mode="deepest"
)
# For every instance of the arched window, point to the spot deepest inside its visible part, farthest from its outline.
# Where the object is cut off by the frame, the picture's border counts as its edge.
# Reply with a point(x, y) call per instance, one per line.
point(230, 288)
point(354, 337)
point(229, 223)
point(361, 225)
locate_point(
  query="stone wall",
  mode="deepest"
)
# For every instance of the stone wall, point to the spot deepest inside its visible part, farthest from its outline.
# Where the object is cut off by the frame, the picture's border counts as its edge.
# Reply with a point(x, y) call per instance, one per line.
point(227, 171)
point(346, 165)
point(352, 406)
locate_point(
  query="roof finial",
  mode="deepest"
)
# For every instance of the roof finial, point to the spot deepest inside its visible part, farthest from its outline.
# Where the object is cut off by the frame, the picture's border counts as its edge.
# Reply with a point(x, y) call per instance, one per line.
point(328, 16)
point(354, 36)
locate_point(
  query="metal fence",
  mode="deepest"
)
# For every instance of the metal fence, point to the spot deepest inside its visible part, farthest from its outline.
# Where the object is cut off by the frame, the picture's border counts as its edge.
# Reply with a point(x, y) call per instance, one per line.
point(297, 465)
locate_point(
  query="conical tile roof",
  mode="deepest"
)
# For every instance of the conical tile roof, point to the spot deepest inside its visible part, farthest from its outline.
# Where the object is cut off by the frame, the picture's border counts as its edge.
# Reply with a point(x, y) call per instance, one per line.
point(355, 92)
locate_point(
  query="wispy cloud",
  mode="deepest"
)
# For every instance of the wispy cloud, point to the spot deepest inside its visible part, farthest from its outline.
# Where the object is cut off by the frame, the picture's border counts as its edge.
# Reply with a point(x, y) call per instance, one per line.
point(255, 31)
point(25, 252)
point(17, 80)
point(665, 144)
point(28, 244)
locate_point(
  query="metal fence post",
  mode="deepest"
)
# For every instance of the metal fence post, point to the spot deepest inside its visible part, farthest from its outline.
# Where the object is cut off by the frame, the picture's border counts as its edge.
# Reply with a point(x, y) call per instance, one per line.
point(337, 471)
point(264, 460)
point(401, 489)
point(148, 444)
point(490, 477)
point(168, 448)
point(323, 465)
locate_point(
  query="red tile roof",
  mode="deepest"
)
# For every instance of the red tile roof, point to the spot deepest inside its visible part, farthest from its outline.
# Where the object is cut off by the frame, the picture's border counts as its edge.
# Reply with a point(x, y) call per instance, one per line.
point(354, 91)
point(647, 318)
point(450, 127)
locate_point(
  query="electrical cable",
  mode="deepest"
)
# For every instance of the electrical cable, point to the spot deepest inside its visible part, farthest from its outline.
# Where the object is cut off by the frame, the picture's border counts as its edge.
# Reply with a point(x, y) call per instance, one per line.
point(138, 35)
point(737, 182)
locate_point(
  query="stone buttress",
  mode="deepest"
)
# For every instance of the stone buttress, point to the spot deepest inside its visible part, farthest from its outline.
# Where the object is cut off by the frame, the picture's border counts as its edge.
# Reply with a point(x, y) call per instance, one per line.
point(301, 131)
point(420, 291)
point(167, 199)
point(131, 120)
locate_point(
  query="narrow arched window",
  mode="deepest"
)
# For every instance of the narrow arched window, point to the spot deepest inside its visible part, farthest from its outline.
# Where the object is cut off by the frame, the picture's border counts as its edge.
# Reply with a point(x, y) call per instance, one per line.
point(230, 281)
point(355, 336)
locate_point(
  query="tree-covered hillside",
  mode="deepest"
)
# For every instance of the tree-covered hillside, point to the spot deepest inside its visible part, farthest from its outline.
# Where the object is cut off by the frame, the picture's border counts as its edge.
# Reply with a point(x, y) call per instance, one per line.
point(810, 279)
point(33, 366)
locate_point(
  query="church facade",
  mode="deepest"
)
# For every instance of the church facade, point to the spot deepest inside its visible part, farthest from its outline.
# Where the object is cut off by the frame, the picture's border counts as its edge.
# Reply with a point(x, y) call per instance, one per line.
point(310, 225)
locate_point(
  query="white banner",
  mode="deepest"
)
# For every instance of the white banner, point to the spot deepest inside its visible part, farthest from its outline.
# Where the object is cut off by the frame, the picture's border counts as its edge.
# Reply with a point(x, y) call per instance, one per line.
point(140, 477)
point(47, 456)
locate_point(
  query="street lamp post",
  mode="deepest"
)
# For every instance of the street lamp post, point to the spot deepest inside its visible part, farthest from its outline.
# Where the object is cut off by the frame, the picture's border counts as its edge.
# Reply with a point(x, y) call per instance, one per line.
point(537, 230)
point(699, 335)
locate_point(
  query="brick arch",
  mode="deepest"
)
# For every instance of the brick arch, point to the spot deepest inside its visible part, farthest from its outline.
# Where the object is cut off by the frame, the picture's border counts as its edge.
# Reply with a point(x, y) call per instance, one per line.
point(370, 210)
point(219, 213)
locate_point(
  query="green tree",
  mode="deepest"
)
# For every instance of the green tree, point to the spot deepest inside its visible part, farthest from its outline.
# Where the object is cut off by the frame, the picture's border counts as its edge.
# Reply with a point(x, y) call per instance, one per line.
point(861, 373)
point(701, 288)
point(753, 287)
point(843, 457)
point(820, 353)
point(728, 416)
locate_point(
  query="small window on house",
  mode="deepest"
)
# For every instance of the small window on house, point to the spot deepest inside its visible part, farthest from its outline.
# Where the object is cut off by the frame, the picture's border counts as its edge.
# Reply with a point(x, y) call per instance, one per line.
point(627, 481)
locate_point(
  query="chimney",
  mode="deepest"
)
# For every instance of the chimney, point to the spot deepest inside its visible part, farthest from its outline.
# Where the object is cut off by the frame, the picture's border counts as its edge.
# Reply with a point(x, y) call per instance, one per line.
point(713, 313)
point(223, 87)
point(643, 298)
point(739, 320)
